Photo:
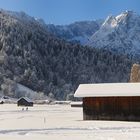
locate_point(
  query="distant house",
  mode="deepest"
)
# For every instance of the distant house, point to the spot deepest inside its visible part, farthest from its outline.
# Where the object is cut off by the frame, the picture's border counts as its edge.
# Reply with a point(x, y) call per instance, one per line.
point(111, 101)
point(1, 102)
point(76, 104)
point(24, 101)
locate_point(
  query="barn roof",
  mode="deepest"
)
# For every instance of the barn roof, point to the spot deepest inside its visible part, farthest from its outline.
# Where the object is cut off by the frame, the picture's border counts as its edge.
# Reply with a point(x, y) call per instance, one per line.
point(108, 90)
point(25, 98)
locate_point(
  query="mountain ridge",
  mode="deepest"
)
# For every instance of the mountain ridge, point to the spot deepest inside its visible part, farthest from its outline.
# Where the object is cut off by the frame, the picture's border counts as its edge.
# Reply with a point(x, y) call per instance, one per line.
point(75, 32)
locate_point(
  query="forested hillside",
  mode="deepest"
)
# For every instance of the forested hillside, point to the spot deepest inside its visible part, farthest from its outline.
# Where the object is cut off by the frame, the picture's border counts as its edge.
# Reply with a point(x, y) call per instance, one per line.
point(31, 56)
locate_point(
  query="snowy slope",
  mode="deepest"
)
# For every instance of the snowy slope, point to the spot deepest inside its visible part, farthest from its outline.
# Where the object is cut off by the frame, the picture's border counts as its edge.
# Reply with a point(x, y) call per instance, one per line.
point(119, 34)
point(25, 90)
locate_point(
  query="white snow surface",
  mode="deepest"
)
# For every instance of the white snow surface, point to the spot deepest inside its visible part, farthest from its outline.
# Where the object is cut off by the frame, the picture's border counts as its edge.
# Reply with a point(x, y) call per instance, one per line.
point(53, 122)
point(108, 90)
point(76, 103)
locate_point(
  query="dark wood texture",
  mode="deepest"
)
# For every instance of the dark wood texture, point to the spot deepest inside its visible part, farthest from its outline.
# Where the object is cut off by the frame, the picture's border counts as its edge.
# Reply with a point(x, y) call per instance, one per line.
point(76, 105)
point(111, 108)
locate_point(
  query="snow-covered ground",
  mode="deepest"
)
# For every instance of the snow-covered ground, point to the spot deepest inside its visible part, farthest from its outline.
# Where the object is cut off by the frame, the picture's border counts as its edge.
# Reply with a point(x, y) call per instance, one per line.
point(53, 122)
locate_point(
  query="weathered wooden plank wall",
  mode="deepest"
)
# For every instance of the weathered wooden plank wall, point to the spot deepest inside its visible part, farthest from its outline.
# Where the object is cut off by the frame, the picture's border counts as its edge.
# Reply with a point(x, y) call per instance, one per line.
point(111, 108)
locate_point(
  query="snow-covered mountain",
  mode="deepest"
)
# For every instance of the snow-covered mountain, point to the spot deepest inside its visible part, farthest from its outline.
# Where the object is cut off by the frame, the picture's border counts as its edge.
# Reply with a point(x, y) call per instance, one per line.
point(31, 56)
point(119, 34)
point(77, 31)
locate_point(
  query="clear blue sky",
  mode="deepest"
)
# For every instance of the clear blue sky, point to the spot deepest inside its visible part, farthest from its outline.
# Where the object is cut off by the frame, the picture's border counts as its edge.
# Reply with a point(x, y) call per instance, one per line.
point(68, 11)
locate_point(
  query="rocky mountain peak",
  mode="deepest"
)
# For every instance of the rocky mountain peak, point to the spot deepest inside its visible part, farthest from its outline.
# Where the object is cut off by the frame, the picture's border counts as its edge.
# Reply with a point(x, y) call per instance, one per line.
point(119, 34)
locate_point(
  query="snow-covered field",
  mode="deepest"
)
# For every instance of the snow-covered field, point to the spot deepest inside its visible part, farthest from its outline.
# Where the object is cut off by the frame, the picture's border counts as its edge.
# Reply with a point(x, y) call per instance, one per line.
point(53, 122)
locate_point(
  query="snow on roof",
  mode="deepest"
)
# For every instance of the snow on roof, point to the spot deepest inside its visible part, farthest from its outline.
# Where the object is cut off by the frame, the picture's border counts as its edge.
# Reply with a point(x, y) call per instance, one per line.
point(26, 98)
point(108, 90)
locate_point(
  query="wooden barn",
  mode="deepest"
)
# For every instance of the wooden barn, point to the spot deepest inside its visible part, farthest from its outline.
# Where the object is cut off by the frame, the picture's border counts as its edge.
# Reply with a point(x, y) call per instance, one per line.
point(110, 101)
point(24, 101)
